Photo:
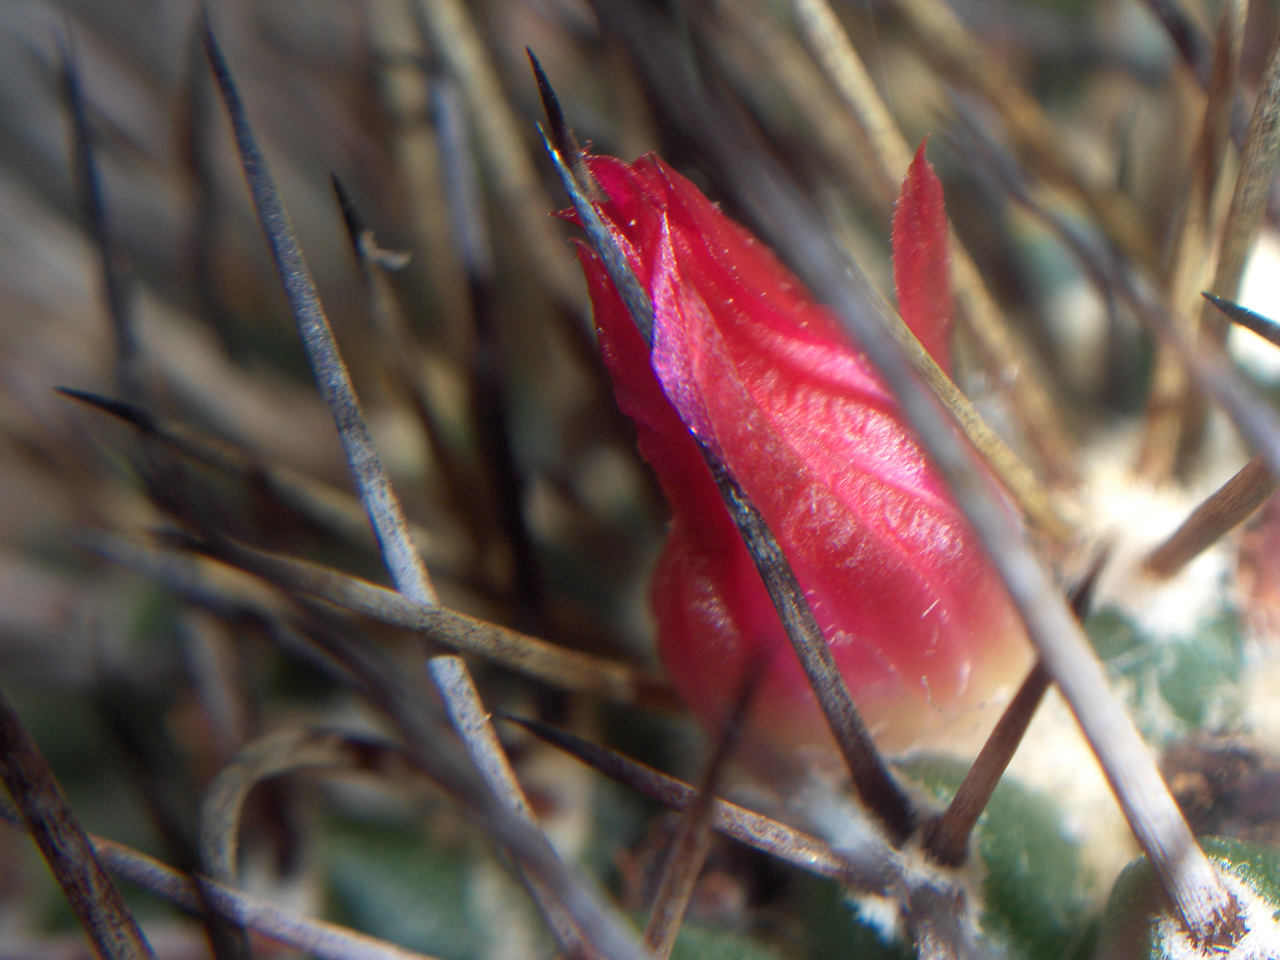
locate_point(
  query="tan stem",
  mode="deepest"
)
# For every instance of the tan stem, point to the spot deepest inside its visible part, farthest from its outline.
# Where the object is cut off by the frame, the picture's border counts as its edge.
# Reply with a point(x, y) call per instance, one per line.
point(1228, 507)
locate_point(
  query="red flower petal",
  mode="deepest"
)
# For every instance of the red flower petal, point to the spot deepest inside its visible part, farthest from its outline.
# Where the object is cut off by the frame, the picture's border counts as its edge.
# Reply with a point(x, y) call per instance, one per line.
point(922, 259)
point(917, 620)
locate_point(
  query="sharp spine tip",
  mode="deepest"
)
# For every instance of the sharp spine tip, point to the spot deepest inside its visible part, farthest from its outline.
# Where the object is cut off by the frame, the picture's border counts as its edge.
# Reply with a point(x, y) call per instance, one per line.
point(1261, 324)
point(561, 133)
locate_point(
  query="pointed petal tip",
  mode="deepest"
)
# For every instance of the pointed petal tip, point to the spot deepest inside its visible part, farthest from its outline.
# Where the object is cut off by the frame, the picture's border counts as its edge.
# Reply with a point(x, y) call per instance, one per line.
point(922, 258)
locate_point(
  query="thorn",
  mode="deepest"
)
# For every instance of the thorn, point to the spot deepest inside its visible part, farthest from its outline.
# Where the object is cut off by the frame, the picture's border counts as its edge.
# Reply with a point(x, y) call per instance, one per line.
point(351, 219)
point(561, 133)
point(688, 851)
point(386, 515)
point(874, 782)
point(602, 244)
point(946, 839)
point(116, 287)
point(128, 412)
point(1260, 324)
point(868, 871)
point(1223, 510)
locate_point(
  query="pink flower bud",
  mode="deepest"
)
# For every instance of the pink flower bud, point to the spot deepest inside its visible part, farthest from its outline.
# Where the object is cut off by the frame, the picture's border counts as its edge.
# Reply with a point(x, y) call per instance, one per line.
point(744, 359)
